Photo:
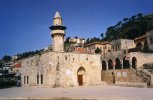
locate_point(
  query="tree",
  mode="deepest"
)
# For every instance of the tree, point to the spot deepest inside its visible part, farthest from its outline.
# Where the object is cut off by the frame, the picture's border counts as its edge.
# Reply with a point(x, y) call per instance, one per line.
point(88, 40)
point(119, 23)
point(102, 35)
point(67, 40)
point(139, 15)
point(1, 64)
point(130, 28)
point(133, 17)
point(76, 37)
point(97, 50)
point(7, 58)
point(125, 20)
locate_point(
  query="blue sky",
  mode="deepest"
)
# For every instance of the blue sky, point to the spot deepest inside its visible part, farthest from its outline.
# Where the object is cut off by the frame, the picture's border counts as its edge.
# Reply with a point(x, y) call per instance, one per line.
point(24, 23)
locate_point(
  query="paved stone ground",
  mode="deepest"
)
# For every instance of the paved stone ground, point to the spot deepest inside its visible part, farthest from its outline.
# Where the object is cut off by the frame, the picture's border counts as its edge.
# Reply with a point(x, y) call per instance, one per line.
point(94, 92)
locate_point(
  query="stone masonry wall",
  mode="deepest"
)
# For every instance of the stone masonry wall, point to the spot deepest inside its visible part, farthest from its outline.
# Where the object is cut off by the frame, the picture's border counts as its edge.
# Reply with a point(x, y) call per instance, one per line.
point(142, 58)
point(60, 69)
point(125, 76)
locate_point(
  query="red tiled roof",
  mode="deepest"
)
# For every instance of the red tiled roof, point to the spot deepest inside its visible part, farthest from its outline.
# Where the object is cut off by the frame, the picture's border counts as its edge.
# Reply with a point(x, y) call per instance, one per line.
point(80, 50)
point(92, 43)
point(141, 37)
point(17, 65)
point(97, 42)
point(105, 42)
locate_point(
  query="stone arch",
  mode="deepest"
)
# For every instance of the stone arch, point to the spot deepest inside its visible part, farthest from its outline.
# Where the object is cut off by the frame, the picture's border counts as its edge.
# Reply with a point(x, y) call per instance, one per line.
point(104, 65)
point(134, 62)
point(117, 64)
point(81, 76)
point(139, 46)
point(110, 64)
point(126, 63)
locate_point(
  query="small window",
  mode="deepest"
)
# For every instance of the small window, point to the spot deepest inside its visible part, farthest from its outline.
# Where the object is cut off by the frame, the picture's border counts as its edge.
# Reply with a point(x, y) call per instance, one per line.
point(87, 59)
point(41, 79)
point(27, 79)
point(37, 79)
point(73, 58)
point(66, 58)
point(24, 79)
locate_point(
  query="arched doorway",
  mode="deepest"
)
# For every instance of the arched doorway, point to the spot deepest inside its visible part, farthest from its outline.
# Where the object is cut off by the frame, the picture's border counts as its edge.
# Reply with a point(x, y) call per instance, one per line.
point(117, 64)
point(134, 62)
point(110, 64)
point(126, 63)
point(103, 65)
point(81, 76)
point(139, 46)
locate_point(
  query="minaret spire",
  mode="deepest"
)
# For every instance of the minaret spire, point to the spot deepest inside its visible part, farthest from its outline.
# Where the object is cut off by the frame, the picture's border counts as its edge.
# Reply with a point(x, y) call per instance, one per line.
point(58, 33)
point(57, 20)
point(57, 15)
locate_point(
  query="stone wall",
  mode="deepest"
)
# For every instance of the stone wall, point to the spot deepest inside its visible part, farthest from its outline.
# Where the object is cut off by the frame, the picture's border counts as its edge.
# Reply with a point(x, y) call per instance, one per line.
point(122, 44)
point(125, 77)
point(142, 58)
point(61, 69)
point(150, 39)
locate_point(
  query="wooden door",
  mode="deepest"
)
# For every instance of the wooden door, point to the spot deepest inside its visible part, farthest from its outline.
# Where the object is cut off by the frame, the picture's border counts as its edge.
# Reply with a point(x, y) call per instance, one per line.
point(80, 80)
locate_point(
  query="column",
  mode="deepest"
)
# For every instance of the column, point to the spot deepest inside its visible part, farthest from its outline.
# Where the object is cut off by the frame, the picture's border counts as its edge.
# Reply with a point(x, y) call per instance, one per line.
point(122, 64)
point(114, 63)
point(107, 66)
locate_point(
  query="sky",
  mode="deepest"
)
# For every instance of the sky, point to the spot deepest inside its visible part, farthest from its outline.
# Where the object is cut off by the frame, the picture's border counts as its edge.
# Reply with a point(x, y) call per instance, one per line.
point(24, 24)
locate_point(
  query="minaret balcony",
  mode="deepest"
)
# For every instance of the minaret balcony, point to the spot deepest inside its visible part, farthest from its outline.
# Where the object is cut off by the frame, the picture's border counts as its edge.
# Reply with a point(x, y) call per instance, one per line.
point(58, 27)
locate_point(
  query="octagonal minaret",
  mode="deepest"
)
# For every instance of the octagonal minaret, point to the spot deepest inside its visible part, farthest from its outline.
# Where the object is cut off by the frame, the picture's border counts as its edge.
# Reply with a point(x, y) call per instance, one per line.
point(57, 33)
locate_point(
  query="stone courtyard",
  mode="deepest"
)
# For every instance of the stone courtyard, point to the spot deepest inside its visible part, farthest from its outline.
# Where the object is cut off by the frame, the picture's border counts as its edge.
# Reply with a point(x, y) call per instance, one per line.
point(94, 92)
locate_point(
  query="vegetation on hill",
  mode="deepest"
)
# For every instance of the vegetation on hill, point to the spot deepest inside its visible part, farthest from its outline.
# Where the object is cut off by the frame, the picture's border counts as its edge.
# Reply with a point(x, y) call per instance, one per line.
point(7, 58)
point(129, 28)
point(28, 54)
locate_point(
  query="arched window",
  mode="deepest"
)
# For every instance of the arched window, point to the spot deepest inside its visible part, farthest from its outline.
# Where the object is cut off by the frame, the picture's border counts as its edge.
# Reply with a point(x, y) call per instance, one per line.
point(126, 63)
point(110, 64)
point(117, 64)
point(134, 62)
point(139, 46)
point(81, 76)
point(104, 65)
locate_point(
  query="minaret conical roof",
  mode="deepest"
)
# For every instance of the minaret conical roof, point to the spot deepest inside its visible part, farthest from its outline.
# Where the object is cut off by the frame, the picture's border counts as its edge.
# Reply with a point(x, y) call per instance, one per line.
point(57, 15)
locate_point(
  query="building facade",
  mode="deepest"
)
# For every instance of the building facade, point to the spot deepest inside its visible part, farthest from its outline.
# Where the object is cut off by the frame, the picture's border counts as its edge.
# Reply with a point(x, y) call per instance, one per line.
point(122, 44)
point(103, 46)
point(58, 68)
point(68, 69)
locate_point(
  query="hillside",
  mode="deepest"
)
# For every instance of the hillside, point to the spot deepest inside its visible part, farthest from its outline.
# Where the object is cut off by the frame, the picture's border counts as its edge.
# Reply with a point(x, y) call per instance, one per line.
point(130, 28)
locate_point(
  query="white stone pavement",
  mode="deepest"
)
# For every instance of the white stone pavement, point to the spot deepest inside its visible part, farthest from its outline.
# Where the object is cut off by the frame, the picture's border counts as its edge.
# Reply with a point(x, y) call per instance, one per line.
point(95, 92)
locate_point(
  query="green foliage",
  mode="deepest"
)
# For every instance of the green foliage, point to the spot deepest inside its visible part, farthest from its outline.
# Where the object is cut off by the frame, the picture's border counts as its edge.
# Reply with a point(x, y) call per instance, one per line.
point(1, 64)
point(102, 35)
point(7, 58)
point(97, 50)
point(94, 39)
point(67, 40)
point(6, 83)
point(28, 54)
point(130, 28)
